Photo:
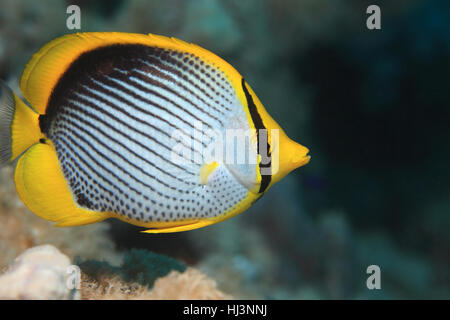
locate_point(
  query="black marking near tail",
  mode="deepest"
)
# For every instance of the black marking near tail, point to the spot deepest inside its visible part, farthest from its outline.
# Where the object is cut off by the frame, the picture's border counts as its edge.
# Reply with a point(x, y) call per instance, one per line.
point(44, 122)
point(261, 131)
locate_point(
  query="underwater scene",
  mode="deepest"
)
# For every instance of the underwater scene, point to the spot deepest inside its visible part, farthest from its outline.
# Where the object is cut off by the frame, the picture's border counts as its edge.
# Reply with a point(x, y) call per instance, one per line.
point(343, 191)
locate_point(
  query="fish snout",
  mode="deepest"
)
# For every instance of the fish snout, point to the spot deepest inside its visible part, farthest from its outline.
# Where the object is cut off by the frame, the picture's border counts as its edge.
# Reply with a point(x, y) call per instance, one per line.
point(291, 156)
point(300, 156)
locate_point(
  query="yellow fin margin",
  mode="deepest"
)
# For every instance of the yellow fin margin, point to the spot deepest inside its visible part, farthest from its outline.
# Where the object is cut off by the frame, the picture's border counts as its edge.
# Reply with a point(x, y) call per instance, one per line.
point(47, 65)
point(237, 209)
point(44, 190)
point(179, 228)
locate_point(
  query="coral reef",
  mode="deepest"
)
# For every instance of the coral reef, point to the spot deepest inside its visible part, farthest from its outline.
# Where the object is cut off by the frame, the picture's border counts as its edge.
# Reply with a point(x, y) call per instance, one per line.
point(42, 273)
point(20, 229)
point(141, 266)
point(38, 273)
point(188, 285)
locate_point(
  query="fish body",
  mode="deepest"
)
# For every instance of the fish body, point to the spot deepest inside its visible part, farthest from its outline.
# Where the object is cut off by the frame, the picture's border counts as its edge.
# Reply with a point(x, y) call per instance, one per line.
point(117, 127)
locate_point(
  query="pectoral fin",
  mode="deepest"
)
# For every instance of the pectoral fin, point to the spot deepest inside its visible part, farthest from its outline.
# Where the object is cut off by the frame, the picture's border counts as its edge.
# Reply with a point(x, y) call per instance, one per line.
point(206, 170)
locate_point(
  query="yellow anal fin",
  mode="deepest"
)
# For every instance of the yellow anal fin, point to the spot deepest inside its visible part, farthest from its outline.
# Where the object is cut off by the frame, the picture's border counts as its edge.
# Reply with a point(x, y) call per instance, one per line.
point(44, 190)
point(179, 228)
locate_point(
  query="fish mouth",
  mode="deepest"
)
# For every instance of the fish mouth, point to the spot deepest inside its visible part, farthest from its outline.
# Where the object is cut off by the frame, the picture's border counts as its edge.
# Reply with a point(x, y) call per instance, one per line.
point(304, 160)
point(301, 158)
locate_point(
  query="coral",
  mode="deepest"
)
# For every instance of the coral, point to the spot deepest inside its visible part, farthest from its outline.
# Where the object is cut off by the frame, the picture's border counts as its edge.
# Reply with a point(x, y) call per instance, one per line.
point(41, 273)
point(191, 284)
point(188, 285)
point(38, 273)
point(20, 229)
point(145, 267)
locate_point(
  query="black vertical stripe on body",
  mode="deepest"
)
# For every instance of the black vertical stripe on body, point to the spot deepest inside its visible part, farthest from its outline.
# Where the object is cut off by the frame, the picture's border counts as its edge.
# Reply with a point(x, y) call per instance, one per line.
point(259, 125)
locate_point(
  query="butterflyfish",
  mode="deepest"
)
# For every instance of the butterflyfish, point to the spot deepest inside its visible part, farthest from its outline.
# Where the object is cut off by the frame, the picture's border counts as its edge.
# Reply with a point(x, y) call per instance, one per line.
point(96, 137)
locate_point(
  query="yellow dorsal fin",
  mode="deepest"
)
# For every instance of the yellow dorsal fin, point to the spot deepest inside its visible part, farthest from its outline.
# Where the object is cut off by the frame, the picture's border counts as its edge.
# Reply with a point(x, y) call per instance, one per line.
point(47, 65)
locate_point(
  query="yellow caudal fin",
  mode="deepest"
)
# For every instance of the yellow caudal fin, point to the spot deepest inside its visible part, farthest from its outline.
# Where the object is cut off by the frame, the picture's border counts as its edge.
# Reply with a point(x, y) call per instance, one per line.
point(19, 126)
point(44, 190)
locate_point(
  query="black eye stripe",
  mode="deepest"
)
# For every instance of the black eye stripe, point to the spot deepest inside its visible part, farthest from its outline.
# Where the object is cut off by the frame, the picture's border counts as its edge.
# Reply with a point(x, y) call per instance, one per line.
point(259, 125)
